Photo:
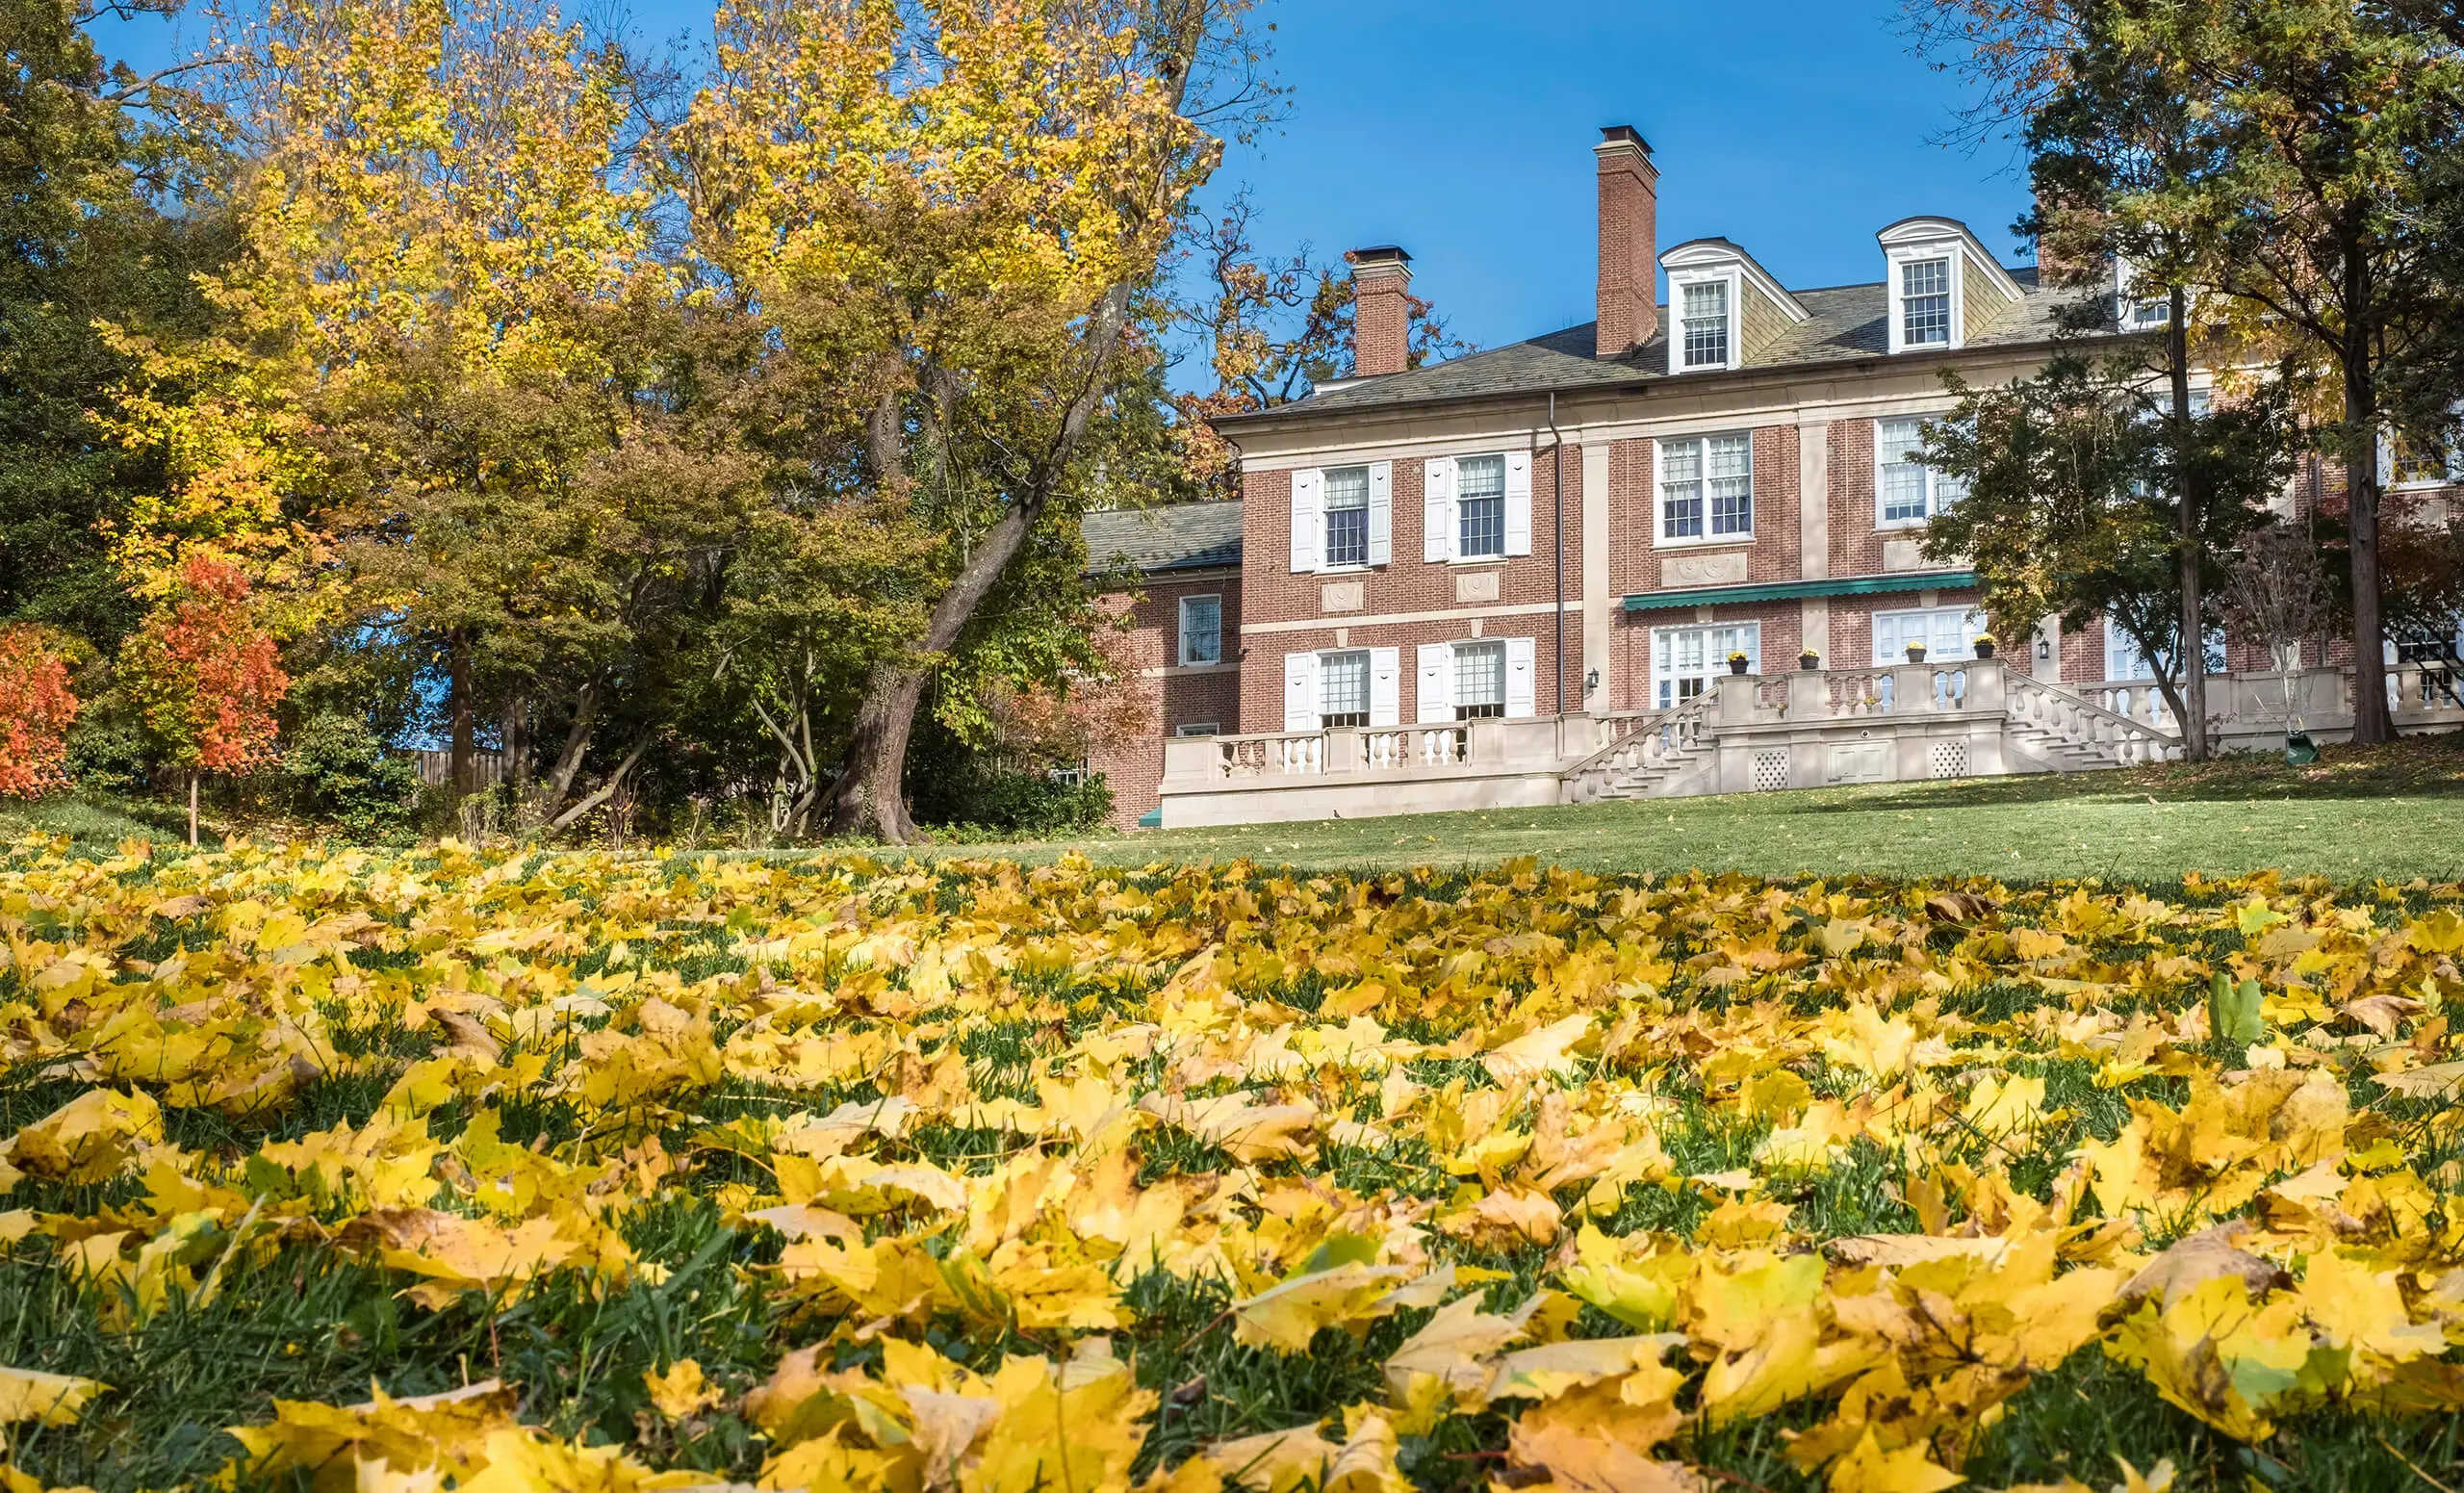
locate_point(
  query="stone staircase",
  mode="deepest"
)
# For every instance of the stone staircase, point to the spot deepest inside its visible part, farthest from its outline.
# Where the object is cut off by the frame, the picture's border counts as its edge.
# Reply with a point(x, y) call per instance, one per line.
point(1675, 753)
point(2049, 725)
point(1659, 755)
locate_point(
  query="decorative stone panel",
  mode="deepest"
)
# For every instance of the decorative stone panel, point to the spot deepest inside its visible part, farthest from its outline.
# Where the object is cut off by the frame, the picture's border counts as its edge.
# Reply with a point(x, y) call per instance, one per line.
point(1476, 585)
point(1342, 596)
point(1724, 568)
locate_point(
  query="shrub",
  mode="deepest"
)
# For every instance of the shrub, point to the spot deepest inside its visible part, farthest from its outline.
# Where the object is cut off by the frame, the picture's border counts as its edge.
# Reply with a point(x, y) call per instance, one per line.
point(339, 772)
point(1025, 805)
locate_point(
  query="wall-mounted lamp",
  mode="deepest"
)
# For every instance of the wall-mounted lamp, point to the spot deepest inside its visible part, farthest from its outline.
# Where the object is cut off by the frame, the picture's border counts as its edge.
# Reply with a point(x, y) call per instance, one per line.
point(2045, 649)
point(1591, 681)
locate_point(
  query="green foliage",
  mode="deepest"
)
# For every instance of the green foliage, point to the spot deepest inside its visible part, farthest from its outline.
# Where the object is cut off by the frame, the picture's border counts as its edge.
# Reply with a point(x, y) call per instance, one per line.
point(338, 773)
point(80, 239)
point(2072, 506)
point(107, 752)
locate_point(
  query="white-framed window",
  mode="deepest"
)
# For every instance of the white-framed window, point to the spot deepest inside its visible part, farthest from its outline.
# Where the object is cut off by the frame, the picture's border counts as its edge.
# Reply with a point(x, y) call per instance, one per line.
point(1706, 488)
point(2132, 311)
point(1342, 517)
point(2123, 659)
point(1346, 517)
point(1477, 679)
point(1905, 492)
point(1479, 507)
point(1199, 728)
point(1949, 634)
point(1480, 680)
point(1201, 630)
point(1684, 661)
point(1925, 302)
point(1703, 324)
point(1343, 687)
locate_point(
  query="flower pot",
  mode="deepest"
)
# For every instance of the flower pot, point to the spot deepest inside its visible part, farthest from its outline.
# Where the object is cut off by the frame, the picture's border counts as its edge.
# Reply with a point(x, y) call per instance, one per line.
point(1809, 662)
point(1737, 665)
point(1985, 648)
point(1916, 653)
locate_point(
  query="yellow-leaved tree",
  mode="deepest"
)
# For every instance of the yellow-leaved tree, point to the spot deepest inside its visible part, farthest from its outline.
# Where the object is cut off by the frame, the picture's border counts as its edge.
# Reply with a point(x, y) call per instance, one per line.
point(945, 214)
point(432, 398)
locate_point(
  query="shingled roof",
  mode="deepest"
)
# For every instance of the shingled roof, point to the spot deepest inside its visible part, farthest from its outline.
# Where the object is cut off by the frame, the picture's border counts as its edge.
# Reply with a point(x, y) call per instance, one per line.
point(1848, 324)
point(1182, 536)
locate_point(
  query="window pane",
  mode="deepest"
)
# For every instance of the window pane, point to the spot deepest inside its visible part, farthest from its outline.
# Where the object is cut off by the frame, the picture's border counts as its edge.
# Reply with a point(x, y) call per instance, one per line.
point(1706, 324)
point(1480, 680)
point(1731, 461)
point(1479, 505)
point(1202, 629)
point(1347, 487)
point(1925, 302)
point(1681, 489)
point(1347, 536)
point(1342, 688)
point(1903, 481)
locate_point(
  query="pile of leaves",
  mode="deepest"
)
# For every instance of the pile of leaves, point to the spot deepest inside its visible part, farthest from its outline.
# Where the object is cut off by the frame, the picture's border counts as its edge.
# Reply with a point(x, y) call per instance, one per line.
point(337, 1169)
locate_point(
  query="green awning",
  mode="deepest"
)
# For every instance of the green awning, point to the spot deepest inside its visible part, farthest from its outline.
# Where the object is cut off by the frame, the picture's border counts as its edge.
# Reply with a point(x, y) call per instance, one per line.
point(1792, 590)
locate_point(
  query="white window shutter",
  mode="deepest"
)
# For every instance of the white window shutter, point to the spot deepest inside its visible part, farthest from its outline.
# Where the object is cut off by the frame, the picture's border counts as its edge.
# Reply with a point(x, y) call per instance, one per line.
point(1437, 511)
point(1521, 675)
point(1385, 687)
point(1437, 683)
point(1308, 523)
point(1517, 503)
point(1381, 513)
point(1301, 691)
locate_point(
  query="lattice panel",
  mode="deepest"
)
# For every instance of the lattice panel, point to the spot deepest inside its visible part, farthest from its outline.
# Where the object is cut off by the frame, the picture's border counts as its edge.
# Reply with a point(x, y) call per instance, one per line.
point(1950, 759)
point(1770, 771)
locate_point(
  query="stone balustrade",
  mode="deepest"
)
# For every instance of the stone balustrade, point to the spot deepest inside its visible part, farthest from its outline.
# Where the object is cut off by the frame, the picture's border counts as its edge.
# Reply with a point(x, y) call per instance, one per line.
point(1744, 734)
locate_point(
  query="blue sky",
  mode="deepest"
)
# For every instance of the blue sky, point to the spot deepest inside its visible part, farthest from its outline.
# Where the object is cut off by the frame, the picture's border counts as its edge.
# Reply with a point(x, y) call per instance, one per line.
point(1462, 130)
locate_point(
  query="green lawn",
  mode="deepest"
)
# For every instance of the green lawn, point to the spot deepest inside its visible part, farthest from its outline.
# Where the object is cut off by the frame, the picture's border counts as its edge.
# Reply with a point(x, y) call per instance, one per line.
point(2397, 814)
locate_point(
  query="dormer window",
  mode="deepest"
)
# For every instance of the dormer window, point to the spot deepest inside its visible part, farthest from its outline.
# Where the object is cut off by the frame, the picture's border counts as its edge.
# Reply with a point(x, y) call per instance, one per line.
point(1944, 290)
point(1726, 310)
point(1925, 303)
point(1705, 323)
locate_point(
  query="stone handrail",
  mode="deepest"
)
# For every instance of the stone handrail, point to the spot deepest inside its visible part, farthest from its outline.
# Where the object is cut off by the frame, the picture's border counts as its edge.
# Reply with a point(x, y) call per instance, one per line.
point(2065, 716)
point(1316, 754)
point(1647, 742)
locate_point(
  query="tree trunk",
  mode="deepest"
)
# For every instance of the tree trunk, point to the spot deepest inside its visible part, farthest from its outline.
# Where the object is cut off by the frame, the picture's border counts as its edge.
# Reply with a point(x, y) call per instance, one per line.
point(870, 796)
point(2371, 722)
point(514, 726)
point(191, 809)
point(459, 708)
point(2190, 497)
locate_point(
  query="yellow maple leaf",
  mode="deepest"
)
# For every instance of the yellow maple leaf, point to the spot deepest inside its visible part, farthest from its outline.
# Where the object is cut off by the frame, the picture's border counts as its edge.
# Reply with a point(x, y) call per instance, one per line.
point(681, 1391)
point(44, 1399)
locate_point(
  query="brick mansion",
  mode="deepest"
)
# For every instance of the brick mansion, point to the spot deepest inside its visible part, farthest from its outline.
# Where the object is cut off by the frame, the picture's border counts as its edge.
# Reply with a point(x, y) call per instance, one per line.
point(1673, 550)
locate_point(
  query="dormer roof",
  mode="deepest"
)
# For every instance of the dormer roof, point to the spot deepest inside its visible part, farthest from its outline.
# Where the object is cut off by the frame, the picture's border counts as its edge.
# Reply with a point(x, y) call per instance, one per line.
point(1717, 254)
point(1922, 231)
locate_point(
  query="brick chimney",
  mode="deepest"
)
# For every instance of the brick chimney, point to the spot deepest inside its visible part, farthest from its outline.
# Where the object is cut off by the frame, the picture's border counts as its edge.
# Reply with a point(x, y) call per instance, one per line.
point(1628, 240)
point(1381, 323)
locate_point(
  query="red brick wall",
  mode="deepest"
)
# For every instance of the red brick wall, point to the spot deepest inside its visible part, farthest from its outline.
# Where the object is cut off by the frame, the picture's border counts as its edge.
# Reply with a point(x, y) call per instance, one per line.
point(1409, 583)
point(1633, 516)
point(1134, 765)
point(1779, 549)
point(1856, 544)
